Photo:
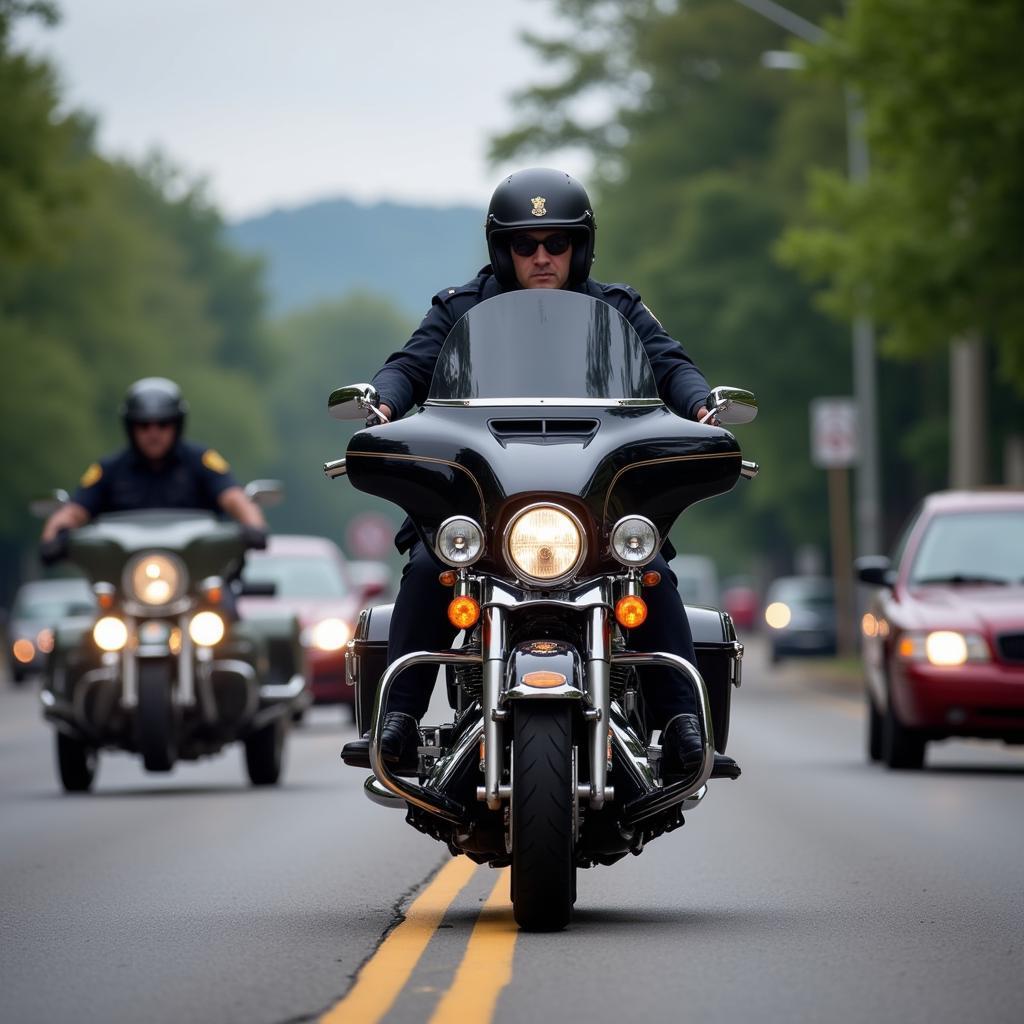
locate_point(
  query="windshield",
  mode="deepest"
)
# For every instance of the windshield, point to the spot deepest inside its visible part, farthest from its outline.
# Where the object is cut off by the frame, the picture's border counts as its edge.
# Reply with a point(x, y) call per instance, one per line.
point(296, 576)
point(539, 345)
point(971, 547)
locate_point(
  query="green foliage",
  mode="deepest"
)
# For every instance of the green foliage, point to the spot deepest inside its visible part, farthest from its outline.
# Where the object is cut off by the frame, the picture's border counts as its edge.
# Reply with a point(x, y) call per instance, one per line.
point(318, 350)
point(109, 273)
point(930, 244)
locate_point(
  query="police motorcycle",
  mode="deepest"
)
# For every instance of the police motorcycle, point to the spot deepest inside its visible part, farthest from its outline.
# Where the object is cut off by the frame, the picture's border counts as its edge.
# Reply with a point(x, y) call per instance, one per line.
point(545, 471)
point(165, 668)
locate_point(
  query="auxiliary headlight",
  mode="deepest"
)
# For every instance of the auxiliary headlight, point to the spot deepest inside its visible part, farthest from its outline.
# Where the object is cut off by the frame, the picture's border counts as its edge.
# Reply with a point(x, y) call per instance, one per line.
point(155, 579)
point(778, 615)
point(944, 647)
point(328, 635)
point(634, 540)
point(544, 543)
point(206, 629)
point(110, 633)
point(459, 541)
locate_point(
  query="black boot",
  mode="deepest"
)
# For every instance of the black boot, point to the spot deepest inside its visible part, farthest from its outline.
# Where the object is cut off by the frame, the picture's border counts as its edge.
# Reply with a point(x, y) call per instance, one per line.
point(399, 737)
point(682, 749)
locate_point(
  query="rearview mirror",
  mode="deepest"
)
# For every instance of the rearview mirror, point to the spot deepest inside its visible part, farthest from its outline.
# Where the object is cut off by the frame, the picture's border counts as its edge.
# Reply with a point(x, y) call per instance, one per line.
point(732, 405)
point(353, 402)
point(875, 570)
point(43, 508)
point(265, 493)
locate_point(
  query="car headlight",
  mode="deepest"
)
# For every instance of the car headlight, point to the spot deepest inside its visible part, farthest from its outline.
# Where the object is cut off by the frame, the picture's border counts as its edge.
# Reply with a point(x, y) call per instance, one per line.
point(945, 648)
point(110, 633)
point(206, 629)
point(459, 541)
point(328, 635)
point(778, 615)
point(634, 540)
point(155, 580)
point(544, 543)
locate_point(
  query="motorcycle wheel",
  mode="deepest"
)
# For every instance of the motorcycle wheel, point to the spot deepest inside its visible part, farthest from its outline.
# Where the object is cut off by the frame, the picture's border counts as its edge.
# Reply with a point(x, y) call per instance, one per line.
point(875, 726)
point(76, 764)
point(264, 754)
point(543, 867)
point(156, 723)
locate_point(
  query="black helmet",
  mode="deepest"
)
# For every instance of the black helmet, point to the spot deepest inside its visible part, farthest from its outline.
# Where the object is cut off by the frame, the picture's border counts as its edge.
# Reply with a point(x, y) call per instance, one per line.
point(539, 197)
point(153, 398)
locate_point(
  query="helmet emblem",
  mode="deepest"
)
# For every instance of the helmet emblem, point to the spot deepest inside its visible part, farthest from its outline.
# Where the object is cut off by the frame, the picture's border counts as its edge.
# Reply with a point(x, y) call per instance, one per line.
point(538, 206)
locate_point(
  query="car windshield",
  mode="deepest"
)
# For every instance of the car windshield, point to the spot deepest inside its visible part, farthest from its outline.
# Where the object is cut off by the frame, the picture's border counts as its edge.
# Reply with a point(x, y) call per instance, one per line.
point(971, 547)
point(51, 609)
point(810, 592)
point(296, 575)
point(536, 346)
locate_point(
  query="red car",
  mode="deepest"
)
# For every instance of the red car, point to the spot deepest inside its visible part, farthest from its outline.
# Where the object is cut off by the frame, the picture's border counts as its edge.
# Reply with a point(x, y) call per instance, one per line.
point(312, 582)
point(943, 640)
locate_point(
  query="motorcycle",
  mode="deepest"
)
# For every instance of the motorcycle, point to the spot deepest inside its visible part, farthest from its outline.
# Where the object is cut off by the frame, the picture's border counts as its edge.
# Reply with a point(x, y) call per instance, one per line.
point(545, 471)
point(165, 669)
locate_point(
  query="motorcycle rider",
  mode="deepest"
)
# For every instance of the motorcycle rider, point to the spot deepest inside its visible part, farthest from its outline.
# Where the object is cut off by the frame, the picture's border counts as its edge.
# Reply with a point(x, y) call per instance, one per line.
point(158, 469)
point(540, 232)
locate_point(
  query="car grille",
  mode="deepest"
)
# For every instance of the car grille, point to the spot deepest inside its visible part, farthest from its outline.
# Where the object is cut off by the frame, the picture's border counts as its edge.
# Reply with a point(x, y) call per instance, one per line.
point(1011, 646)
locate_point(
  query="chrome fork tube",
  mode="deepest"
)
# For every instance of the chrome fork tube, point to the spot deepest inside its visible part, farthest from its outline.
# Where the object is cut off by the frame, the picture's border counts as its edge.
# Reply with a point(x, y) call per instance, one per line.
point(186, 666)
point(494, 677)
point(130, 669)
point(599, 667)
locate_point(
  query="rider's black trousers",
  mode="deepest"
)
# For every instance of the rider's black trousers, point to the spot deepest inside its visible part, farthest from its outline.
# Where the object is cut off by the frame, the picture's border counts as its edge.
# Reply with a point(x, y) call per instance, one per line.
point(420, 623)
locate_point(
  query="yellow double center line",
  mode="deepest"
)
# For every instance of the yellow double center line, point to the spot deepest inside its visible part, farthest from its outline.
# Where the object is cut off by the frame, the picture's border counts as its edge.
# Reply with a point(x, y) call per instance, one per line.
point(486, 966)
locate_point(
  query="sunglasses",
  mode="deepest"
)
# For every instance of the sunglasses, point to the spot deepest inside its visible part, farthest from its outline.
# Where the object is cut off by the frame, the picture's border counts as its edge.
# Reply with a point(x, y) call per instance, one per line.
point(154, 425)
point(555, 245)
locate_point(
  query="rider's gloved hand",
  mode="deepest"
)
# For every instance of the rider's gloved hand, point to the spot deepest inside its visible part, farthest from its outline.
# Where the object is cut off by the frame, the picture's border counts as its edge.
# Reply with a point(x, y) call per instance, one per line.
point(255, 537)
point(53, 550)
point(373, 419)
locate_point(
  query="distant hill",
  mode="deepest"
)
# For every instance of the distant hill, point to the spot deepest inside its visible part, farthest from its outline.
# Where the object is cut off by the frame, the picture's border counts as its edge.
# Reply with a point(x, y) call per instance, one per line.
point(326, 249)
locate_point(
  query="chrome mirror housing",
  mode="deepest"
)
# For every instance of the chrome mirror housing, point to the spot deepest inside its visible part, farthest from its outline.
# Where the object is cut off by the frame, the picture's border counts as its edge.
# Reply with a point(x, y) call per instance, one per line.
point(732, 405)
point(354, 402)
point(265, 493)
point(43, 508)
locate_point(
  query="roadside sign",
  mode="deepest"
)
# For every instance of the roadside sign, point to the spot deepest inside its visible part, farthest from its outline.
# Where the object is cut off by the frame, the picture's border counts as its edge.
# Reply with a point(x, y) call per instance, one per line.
point(369, 535)
point(834, 433)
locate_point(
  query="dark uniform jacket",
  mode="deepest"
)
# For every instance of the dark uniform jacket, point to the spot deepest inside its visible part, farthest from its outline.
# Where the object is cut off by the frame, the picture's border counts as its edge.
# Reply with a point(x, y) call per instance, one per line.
point(404, 380)
point(191, 477)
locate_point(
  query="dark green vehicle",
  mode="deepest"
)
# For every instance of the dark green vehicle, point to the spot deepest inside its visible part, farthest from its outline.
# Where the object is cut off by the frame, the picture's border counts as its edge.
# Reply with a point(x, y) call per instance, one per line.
point(166, 669)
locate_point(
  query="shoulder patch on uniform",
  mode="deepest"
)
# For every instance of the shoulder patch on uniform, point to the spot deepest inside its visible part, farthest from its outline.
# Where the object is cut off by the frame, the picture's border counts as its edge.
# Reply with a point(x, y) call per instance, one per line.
point(212, 459)
point(92, 475)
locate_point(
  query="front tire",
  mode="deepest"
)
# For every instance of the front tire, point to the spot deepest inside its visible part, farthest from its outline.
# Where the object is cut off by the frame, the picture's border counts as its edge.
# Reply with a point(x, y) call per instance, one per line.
point(76, 764)
point(264, 753)
point(156, 722)
point(902, 747)
point(543, 864)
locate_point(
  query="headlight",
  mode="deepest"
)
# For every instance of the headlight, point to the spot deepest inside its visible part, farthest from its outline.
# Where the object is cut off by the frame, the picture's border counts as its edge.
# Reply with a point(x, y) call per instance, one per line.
point(45, 640)
point(23, 650)
point(946, 648)
point(110, 633)
point(155, 579)
point(206, 629)
point(634, 540)
point(544, 543)
point(459, 541)
point(778, 615)
point(328, 635)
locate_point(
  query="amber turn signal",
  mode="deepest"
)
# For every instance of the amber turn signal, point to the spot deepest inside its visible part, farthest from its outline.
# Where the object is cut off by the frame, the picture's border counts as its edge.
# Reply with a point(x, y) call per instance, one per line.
point(543, 680)
point(105, 601)
point(631, 611)
point(447, 578)
point(651, 579)
point(463, 612)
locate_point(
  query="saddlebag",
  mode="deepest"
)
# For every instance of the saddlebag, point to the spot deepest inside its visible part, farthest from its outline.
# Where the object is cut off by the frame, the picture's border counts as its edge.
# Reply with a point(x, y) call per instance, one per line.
point(366, 660)
point(719, 661)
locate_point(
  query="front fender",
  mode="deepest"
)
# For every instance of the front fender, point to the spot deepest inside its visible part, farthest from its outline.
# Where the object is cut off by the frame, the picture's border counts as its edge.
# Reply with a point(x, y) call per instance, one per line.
point(544, 669)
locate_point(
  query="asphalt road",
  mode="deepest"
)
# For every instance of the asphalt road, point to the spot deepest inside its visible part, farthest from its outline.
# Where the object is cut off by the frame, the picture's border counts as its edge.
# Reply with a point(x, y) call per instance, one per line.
point(815, 888)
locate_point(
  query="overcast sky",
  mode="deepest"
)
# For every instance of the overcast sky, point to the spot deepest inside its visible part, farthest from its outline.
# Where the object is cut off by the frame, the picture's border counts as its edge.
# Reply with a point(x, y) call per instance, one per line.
point(280, 103)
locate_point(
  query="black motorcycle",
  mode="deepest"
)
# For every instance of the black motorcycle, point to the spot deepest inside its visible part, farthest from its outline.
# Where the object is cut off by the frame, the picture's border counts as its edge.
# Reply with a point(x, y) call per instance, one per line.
point(545, 471)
